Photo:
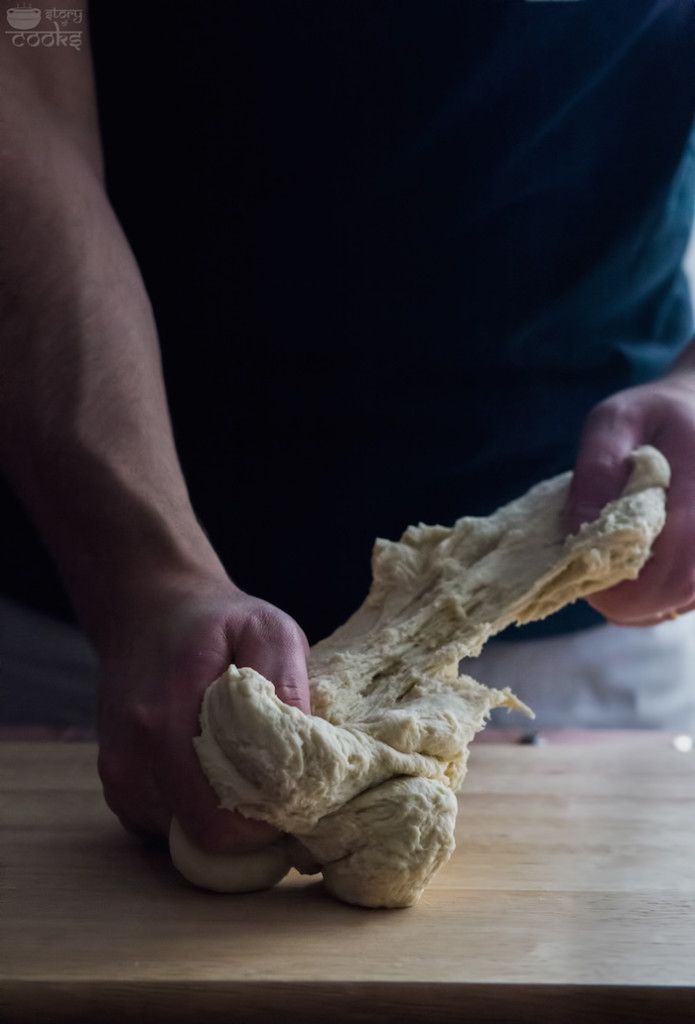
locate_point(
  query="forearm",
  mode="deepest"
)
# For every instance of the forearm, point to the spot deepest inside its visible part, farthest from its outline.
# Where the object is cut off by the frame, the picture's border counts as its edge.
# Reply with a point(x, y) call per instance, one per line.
point(85, 438)
point(84, 429)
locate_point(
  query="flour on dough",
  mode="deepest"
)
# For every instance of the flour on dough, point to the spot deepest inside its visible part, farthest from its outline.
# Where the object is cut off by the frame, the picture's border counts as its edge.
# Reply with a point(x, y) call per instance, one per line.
point(365, 785)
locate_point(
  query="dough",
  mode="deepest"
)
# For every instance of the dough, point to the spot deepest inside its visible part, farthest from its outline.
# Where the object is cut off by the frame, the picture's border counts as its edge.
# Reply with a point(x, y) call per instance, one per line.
point(366, 784)
point(243, 872)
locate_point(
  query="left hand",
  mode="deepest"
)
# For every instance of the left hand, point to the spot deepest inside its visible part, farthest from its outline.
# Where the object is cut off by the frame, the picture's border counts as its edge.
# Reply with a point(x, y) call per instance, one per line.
point(661, 413)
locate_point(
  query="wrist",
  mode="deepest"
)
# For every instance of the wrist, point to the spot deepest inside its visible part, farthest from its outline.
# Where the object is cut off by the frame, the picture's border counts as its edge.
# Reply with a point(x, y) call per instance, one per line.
point(120, 594)
point(119, 535)
point(132, 561)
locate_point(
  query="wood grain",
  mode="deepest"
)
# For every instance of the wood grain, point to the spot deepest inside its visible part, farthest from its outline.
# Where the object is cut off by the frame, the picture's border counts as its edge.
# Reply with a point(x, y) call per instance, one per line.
point(570, 897)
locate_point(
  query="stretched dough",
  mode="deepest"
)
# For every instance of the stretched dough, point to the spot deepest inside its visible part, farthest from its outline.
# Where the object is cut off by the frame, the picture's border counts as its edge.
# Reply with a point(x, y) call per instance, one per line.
point(365, 784)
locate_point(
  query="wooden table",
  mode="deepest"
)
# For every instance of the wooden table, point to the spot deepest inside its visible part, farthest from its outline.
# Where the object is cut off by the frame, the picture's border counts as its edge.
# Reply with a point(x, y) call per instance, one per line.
point(571, 897)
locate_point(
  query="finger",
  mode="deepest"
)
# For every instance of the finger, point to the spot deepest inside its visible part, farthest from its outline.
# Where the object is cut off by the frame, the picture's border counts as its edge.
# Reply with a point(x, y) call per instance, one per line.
point(193, 801)
point(666, 584)
point(130, 791)
point(657, 620)
point(603, 466)
point(144, 792)
point(151, 827)
point(274, 645)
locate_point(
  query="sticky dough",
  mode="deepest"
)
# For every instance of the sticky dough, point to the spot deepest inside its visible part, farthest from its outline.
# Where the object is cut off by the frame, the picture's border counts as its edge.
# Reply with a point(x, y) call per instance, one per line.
point(364, 787)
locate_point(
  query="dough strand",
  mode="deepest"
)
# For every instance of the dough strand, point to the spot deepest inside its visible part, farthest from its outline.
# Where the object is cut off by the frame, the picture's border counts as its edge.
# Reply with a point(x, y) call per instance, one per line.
point(366, 784)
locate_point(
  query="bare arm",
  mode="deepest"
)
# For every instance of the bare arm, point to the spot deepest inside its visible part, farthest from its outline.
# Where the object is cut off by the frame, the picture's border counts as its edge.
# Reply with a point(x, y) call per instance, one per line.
point(85, 439)
point(84, 433)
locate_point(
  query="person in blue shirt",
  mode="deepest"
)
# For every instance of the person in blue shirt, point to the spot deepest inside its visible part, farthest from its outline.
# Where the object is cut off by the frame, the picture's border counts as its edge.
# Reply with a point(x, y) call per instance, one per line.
point(402, 262)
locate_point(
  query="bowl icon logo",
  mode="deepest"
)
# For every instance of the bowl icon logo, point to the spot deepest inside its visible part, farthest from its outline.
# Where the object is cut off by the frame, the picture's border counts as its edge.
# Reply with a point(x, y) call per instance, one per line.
point(23, 18)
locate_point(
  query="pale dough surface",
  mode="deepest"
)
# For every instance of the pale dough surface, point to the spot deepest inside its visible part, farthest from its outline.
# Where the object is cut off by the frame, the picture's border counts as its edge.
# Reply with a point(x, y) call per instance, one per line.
point(365, 785)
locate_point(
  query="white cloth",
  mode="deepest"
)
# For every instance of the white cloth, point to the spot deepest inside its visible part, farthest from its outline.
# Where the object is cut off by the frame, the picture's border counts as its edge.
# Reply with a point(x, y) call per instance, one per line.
point(606, 677)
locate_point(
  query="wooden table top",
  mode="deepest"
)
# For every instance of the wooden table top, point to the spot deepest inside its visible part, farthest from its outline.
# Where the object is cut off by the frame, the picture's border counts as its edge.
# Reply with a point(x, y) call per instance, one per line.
point(570, 897)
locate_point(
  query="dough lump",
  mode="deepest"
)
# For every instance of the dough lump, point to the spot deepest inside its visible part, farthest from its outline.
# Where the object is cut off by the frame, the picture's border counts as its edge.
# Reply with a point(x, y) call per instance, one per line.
point(364, 787)
point(242, 872)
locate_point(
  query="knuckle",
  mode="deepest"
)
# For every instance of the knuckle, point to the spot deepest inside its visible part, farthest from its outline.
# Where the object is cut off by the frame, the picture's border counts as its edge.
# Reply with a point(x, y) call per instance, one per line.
point(142, 720)
point(615, 409)
point(269, 625)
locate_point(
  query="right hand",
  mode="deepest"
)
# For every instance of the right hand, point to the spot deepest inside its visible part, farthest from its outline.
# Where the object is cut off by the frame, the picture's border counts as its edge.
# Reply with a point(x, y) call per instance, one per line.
point(661, 413)
point(156, 670)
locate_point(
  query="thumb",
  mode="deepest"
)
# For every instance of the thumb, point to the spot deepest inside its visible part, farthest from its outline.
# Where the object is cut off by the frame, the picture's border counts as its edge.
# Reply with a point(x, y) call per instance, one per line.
point(276, 647)
point(602, 467)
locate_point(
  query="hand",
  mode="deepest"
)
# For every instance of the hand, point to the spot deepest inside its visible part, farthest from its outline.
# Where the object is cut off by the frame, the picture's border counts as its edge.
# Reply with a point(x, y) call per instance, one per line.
point(662, 414)
point(175, 643)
